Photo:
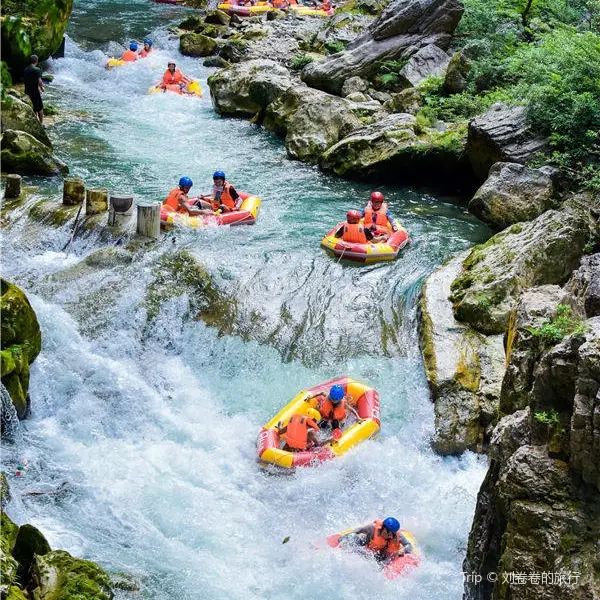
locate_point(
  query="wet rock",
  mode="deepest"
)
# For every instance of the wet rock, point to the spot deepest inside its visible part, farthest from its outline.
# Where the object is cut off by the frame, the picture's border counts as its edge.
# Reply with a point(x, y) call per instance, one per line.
point(24, 154)
point(216, 61)
point(403, 28)
point(244, 90)
point(196, 44)
point(4, 491)
point(543, 251)
point(501, 135)
point(464, 369)
point(59, 575)
point(584, 285)
point(8, 565)
point(217, 17)
point(19, 116)
point(512, 193)
point(234, 50)
point(29, 541)
point(424, 63)
point(21, 343)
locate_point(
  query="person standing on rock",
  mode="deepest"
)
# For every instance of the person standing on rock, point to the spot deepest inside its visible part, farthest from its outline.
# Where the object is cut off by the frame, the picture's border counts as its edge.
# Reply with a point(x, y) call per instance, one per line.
point(32, 78)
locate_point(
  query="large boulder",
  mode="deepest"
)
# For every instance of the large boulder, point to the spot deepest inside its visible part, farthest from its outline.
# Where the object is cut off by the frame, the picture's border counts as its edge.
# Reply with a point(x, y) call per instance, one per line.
point(197, 44)
point(24, 154)
point(427, 62)
point(21, 343)
point(512, 193)
point(19, 115)
point(584, 285)
point(404, 27)
point(463, 367)
point(39, 30)
point(543, 251)
point(501, 135)
point(243, 90)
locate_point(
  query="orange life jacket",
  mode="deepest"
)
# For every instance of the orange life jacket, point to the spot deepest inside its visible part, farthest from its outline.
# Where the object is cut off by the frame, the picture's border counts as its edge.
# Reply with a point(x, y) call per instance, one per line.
point(297, 431)
point(379, 543)
point(354, 233)
point(129, 56)
point(172, 78)
point(145, 52)
point(172, 201)
point(381, 220)
point(329, 410)
point(226, 198)
point(279, 3)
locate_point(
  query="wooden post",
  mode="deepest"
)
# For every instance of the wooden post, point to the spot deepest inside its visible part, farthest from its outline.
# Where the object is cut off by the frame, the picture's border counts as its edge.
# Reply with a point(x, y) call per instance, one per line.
point(96, 201)
point(120, 208)
point(73, 191)
point(13, 186)
point(148, 219)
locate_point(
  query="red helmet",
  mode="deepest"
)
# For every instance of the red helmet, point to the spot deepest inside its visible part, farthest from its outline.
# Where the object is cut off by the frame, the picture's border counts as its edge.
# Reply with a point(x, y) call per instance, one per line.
point(377, 197)
point(353, 216)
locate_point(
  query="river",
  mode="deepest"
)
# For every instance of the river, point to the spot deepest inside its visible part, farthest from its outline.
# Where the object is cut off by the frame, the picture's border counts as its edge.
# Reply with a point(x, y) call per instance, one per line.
point(152, 423)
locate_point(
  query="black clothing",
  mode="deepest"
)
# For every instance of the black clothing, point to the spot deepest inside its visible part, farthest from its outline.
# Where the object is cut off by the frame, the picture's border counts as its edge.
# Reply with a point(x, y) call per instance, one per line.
point(31, 79)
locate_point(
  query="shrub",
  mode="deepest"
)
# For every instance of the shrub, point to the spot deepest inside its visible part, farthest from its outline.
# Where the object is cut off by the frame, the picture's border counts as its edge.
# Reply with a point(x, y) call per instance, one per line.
point(300, 61)
point(550, 419)
point(562, 324)
point(335, 46)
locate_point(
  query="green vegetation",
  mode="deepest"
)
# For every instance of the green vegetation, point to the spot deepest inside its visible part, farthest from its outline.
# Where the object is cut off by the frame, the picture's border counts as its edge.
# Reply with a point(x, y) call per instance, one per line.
point(300, 61)
point(550, 419)
point(388, 73)
point(334, 46)
point(544, 54)
point(554, 330)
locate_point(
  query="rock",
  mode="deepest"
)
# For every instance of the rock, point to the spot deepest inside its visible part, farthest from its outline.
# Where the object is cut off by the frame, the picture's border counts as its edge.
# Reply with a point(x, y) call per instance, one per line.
point(29, 541)
point(217, 17)
point(275, 15)
point(372, 7)
point(216, 61)
point(406, 101)
point(244, 90)
point(354, 84)
point(424, 63)
point(19, 116)
point(21, 342)
point(311, 121)
point(457, 71)
point(8, 565)
point(234, 50)
point(511, 432)
point(59, 575)
point(523, 347)
point(357, 97)
point(543, 251)
point(381, 97)
point(73, 191)
point(24, 154)
point(13, 186)
point(402, 29)
point(464, 369)
point(584, 285)
point(39, 32)
point(193, 23)
point(512, 193)
point(254, 33)
point(196, 44)
point(5, 496)
point(501, 135)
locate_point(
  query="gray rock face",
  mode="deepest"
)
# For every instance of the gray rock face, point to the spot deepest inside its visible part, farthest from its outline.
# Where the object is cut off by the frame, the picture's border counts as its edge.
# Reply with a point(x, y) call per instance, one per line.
point(19, 116)
point(501, 135)
point(512, 193)
point(24, 154)
point(457, 71)
point(353, 85)
point(424, 63)
point(245, 89)
point(584, 285)
point(196, 44)
point(403, 28)
point(512, 432)
point(544, 251)
point(464, 369)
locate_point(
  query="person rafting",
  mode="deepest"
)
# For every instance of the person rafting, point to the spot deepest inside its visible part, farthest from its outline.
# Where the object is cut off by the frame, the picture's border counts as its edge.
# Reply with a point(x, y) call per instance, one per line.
point(224, 196)
point(383, 538)
point(353, 232)
point(146, 48)
point(173, 76)
point(131, 54)
point(333, 408)
point(376, 213)
point(301, 431)
point(177, 200)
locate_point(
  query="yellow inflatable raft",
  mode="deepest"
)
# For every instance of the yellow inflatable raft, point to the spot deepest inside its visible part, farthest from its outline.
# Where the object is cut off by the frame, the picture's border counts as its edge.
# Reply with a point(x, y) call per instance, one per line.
point(191, 89)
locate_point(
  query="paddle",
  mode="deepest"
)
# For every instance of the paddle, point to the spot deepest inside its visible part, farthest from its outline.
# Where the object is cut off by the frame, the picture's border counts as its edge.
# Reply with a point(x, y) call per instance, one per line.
point(73, 231)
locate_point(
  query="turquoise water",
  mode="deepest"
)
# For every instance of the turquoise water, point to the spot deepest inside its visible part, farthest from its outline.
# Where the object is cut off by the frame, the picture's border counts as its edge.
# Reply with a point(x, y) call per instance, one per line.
point(153, 424)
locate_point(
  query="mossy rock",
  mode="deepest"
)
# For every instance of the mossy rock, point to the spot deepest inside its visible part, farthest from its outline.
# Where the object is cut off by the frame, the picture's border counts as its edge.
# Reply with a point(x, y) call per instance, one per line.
point(52, 213)
point(8, 565)
point(29, 541)
point(4, 490)
point(22, 153)
point(16, 593)
point(58, 576)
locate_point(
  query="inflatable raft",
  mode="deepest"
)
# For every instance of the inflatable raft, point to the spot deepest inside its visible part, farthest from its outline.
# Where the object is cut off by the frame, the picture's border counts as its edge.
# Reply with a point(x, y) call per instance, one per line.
point(245, 10)
point(246, 215)
point(311, 11)
point(399, 566)
point(365, 400)
point(370, 252)
point(191, 89)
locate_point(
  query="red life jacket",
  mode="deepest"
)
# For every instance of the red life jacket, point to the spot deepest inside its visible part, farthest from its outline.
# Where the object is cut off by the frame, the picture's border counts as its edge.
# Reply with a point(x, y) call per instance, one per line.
point(381, 219)
point(172, 78)
point(329, 410)
point(379, 543)
point(297, 431)
point(129, 56)
point(172, 202)
point(354, 233)
point(226, 198)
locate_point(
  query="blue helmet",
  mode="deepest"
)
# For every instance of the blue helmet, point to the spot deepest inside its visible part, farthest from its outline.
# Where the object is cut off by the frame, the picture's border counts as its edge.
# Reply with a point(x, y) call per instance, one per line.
point(218, 175)
point(392, 524)
point(132, 46)
point(185, 182)
point(336, 393)
point(148, 41)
